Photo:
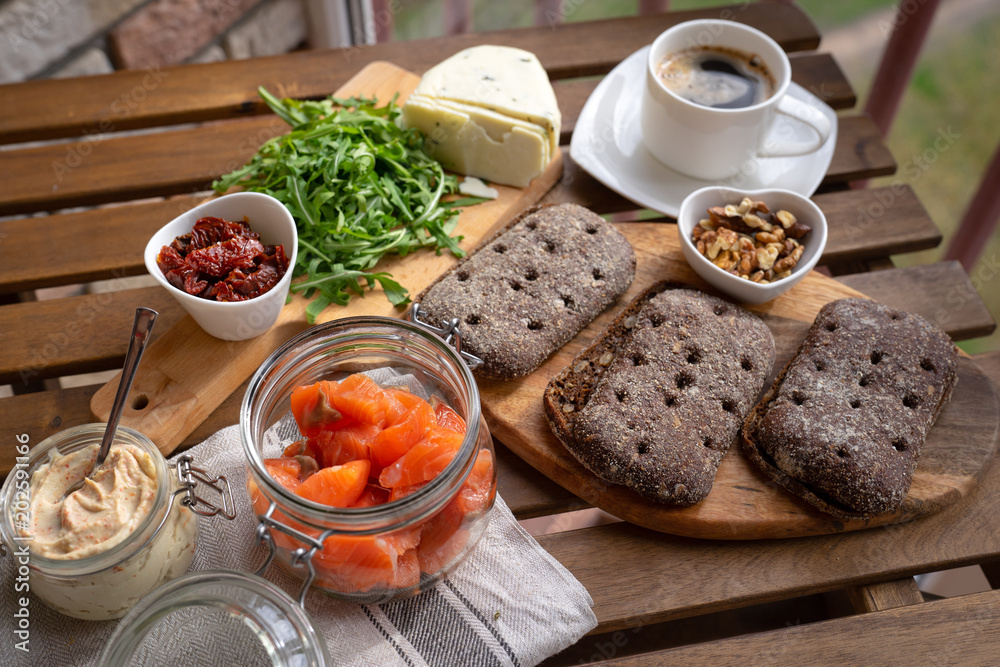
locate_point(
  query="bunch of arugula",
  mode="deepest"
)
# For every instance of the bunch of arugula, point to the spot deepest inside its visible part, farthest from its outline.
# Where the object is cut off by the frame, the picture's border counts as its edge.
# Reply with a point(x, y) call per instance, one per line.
point(359, 187)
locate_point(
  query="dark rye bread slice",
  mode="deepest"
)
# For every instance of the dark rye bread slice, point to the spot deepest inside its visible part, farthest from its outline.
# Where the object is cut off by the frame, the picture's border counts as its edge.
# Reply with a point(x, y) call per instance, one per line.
point(656, 400)
point(531, 287)
point(843, 424)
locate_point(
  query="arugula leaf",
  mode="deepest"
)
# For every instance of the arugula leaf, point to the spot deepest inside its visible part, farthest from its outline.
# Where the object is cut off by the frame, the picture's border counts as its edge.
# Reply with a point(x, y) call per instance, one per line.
point(359, 187)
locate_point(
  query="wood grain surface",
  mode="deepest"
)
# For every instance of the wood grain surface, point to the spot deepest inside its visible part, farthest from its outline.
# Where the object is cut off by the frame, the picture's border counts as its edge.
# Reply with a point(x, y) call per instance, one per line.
point(743, 503)
point(885, 595)
point(194, 93)
point(956, 631)
point(55, 176)
point(108, 241)
point(957, 307)
point(186, 373)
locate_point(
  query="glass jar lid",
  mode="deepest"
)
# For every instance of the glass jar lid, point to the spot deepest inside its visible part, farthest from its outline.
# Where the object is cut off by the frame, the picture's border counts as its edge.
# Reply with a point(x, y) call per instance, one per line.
point(216, 617)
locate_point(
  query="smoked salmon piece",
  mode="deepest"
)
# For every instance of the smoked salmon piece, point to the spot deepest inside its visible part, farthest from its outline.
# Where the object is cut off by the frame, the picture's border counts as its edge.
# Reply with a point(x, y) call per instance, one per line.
point(399, 401)
point(372, 446)
point(357, 397)
point(337, 486)
point(397, 439)
point(303, 447)
point(442, 539)
point(359, 563)
point(372, 495)
point(448, 418)
point(403, 491)
point(478, 489)
point(407, 574)
point(348, 443)
point(286, 470)
point(312, 408)
point(424, 461)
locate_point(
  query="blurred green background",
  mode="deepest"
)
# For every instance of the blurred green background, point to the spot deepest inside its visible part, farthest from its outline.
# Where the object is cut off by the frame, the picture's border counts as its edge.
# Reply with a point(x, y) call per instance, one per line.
point(954, 88)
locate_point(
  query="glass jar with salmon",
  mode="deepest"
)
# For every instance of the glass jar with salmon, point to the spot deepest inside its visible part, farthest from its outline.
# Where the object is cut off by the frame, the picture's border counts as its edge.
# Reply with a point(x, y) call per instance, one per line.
point(369, 464)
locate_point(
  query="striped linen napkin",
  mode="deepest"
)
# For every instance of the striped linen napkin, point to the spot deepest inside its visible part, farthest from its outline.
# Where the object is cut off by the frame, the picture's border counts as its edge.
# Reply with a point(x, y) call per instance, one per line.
point(509, 604)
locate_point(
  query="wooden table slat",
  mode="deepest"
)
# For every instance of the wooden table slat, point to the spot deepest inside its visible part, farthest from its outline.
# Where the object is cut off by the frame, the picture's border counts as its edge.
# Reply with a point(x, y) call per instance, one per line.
point(42, 341)
point(119, 168)
point(78, 334)
point(108, 242)
point(942, 292)
point(193, 93)
point(821, 75)
point(861, 152)
point(874, 223)
point(885, 595)
point(957, 631)
point(659, 577)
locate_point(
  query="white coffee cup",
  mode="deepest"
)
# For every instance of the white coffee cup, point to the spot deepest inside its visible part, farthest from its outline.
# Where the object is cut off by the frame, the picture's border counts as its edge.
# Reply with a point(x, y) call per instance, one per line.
point(711, 143)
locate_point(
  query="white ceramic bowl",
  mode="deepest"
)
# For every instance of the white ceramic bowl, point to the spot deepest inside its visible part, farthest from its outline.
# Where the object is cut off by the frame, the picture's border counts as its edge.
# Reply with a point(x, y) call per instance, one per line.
point(695, 207)
point(238, 320)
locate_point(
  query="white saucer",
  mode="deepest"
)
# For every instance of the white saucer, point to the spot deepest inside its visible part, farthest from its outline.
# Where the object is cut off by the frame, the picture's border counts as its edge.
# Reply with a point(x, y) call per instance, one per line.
point(607, 144)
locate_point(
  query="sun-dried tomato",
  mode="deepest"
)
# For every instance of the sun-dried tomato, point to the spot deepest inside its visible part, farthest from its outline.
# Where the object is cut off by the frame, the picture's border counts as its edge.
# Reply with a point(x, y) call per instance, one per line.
point(209, 231)
point(239, 286)
point(186, 278)
point(222, 260)
point(169, 259)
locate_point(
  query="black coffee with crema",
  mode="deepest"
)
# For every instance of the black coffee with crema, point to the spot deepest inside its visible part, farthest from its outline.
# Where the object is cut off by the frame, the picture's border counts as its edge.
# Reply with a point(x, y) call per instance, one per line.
point(717, 77)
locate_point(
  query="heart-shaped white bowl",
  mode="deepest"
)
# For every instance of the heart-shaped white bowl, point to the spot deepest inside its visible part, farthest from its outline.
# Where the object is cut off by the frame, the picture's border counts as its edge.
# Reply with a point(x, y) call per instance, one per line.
point(236, 320)
point(695, 207)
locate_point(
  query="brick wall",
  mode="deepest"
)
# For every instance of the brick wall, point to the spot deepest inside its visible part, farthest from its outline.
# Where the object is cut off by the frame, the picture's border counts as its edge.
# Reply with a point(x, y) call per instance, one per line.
point(54, 38)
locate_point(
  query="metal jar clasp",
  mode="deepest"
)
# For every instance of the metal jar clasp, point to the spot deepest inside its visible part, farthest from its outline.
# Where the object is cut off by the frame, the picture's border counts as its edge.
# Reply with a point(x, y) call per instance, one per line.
point(191, 479)
point(449, 333)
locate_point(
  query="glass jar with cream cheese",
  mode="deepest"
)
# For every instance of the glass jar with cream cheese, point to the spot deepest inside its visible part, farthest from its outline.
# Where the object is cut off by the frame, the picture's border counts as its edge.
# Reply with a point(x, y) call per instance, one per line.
point(93, 553)
point(381, 551)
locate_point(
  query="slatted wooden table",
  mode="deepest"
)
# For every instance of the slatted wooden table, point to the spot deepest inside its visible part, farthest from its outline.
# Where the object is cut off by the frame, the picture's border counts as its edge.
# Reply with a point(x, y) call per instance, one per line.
point(81, 144)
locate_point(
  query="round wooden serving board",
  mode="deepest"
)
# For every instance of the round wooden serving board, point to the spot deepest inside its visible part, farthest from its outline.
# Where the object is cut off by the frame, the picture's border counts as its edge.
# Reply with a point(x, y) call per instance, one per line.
point(743, 504)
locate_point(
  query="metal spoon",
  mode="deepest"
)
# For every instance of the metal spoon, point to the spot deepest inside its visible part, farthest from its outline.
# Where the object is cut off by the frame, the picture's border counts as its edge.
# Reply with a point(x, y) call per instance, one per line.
point(144, 319)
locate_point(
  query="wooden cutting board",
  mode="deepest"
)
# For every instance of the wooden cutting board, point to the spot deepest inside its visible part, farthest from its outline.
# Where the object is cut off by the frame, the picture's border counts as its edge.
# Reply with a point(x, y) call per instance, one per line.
point(743, 504)
point(186, 374)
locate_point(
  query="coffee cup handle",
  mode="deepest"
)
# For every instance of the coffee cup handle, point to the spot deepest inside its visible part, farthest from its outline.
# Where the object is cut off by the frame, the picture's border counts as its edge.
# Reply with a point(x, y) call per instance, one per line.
point(806, 114)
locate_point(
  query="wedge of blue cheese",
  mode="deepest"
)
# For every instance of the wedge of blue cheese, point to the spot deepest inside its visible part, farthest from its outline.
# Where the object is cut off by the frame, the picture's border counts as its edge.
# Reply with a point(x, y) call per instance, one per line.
point(490, 112)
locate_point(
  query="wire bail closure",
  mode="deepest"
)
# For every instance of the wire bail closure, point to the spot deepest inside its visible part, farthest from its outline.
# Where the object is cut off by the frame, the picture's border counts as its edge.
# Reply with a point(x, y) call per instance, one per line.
point(301, 557)
point(449, 333)
point(190, 477)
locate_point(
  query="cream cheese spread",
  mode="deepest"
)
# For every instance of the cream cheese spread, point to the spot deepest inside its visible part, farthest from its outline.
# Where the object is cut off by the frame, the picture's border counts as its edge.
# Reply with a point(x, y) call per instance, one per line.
point(110, 506)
